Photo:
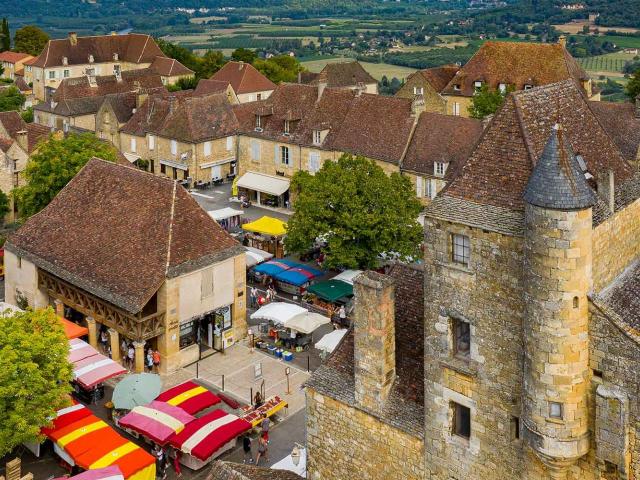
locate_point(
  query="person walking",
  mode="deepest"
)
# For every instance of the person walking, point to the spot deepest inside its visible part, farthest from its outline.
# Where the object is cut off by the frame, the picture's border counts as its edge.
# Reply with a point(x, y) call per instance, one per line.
point(175, 455)
point(158, 454)
point(342, 315)
point(156, 361)
point(123, 353)
point(149, 361)
point(131, 356)
point(246, 447)
point(257, 400)
point(264, 425)
point(253, 295)
point(104, 339)
point(263, 451)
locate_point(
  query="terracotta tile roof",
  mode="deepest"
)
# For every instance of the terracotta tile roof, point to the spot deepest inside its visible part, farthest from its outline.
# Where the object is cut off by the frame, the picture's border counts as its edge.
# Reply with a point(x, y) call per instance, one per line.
point(122, 104)
point(438, 77)
point(500, 165)
point(243, 77)
point(441, 138)
point(31, 61)
point(169, 67)
point(289, 101)
point(118, 233)
point(620, 122)
point(405, 406)
point(237, 471)
point(184, 116)
point(517, 64)
point(207, 86)
point(307, 77)
point(36, 133)
point(132, 48)
point(13, 123)
point(5, 144)
point(376, 127)
point(342, 74)
point(13, 57)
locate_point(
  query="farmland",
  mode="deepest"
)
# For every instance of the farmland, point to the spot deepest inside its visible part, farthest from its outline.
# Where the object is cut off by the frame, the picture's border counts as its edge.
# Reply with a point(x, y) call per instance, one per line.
point(610, 64)
point(376, 70)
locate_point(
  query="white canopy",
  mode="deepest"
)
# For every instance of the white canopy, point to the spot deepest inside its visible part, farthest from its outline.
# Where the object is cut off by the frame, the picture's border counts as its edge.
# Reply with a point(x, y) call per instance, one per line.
point(264, 183)
point(278, 312)
point(287, 464)
point(330, 341)
point(254, 256)
point(347, 276)
point(224, 213)
point(307, 322)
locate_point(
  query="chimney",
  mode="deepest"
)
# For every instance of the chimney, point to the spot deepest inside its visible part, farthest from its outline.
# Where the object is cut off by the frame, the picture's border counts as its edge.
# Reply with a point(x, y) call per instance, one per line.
point(73, 38)
point(22, 137)
point(606, 189)
point(113, 33)
point(417, 106)
point(240, 65)
point(322, 84)
point(374, 339)
point(562, 41)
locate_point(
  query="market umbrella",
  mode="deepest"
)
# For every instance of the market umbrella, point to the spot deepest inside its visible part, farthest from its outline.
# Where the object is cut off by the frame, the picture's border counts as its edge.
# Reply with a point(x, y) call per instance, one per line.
point(331, 290)
point(307, 322)
point(278, 312)
point(135, 390)
point(330, 341)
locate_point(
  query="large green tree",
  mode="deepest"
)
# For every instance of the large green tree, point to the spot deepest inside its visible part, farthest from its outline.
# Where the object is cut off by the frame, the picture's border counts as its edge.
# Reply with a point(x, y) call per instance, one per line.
point(244, 55)
point(357, 210)
point(11, 99)
point(4, 205)
point(486, 102)
point(281, 68)
point(5, 36)
point(34, 374)
point(30, 39)
point(53, 165)
point(633, 86)
point(210, 63)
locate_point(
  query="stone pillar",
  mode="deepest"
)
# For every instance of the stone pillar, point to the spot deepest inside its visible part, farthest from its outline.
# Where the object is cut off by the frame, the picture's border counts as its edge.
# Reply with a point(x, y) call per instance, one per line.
point(114, 340)
point(93, 333)
point(139, 360)
point(59, 307)
point(374, 339)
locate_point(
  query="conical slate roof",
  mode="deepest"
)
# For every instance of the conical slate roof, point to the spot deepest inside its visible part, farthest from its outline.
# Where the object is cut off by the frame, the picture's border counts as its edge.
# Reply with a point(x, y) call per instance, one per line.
point(557, 181)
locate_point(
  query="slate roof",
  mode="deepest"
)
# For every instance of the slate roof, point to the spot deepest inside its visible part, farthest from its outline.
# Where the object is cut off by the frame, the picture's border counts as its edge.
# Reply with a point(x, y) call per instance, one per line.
point(340, 75)
point(557, 181)
point(13, 123)
point(441, 138)
point(184, 116)
point(622, 297)
point(498, 169)
point(405, 405)
point(207, 86)
point(438, 77)
point(376, 127)
point(13, 57)
point(243, 77)
point(237, 471)
point(132, 48)
point(122, 104)
point(516, 64)
point(118, 232)
point(620, 122)
point(169, 67)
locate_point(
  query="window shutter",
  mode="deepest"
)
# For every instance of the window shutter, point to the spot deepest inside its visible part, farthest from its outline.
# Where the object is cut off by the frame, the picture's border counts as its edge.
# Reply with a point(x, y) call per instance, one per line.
point(419, 187)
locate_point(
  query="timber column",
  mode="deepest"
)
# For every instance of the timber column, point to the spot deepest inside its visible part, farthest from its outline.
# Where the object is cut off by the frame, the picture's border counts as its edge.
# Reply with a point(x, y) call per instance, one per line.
point(558, 231)
point(93, 334)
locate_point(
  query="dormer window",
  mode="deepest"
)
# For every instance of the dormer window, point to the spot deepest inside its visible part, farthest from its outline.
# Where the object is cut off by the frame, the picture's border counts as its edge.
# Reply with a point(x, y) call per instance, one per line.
point(439, 169)
point(502, 88)
point(65, 61)
point(286, 127)
point(456, 87)
point(258, 123)
point(115, 57)
point(528, 86)
point(477, 85)
point(90, 58)
point(418, 90)
point(317, 137)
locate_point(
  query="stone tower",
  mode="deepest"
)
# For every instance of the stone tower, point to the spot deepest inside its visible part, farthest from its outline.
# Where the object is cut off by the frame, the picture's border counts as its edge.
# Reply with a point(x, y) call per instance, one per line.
point(558, 229)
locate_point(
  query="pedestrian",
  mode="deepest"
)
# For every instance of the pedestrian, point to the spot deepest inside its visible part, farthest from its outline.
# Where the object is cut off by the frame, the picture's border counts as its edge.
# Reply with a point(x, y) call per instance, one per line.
point(156, 360)
point(104, 339)
point(158, 454)
point(342, 315)
point(123, 352)
point(253, 296)
point(176, 454)
point(264, 425)
point(131, 355)
point(149, 360)
point(109, 351)
point(257, 401)
point(246, 447)
point(262, 450)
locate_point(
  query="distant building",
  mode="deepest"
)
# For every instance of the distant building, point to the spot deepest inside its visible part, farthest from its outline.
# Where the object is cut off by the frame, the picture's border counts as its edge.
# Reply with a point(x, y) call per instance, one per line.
point(429, 83)
point(134, 253)
point(350, 75)
point(12, 63)
point(208, 86)
point(248, 83)
point(170, 70)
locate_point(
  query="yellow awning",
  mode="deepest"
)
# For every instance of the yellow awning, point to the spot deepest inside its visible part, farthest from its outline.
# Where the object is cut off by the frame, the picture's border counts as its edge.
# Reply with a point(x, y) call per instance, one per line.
point(267, 226)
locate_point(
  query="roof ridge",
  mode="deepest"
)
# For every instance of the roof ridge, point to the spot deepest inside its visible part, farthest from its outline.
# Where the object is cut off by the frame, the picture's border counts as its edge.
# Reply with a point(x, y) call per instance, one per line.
point(525, 135)
point(171, 218)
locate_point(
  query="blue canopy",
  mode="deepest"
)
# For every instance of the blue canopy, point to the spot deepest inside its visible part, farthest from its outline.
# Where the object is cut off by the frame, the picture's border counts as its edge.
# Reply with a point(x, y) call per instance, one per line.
point(272, 267)
point(298, 275)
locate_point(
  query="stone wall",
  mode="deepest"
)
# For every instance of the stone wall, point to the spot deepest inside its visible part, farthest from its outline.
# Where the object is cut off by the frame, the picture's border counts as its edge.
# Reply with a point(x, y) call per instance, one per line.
point(463, 102)
point(344, 443)
point(433, 102)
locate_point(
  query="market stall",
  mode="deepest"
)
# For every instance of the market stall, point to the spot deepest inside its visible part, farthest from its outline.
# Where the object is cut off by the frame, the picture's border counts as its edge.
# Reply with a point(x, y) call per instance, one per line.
point(300, 330)
point(80, 438)
point(266, 233)
point(271, 268)
point(348, 276)
point(190, 397)
point(73, 330)
point(330, 341)
point(255, 256)
point(278, 312)
point(208, 437)
point(270, 407)
point(107, 473)
point(156, 421)
point(90, 370)
point(228, 218)
point(296, 279)
point(332, 291)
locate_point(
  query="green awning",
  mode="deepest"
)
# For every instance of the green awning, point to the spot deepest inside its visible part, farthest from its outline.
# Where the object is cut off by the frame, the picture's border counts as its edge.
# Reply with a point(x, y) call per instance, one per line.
point(331, 290)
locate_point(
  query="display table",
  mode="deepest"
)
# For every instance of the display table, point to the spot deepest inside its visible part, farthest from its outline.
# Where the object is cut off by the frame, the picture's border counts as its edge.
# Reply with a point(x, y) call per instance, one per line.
point(271, 406)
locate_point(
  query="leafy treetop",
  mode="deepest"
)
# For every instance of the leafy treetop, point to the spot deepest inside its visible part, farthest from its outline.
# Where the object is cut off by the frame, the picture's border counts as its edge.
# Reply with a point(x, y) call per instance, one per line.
point(486, 102)
point(30, 39)
point(53, 165)
point(34, 374)
point(5, 36)
point(11, 99)
point(357, 210)
point(244, 55)
point(633, 86)
point(281, 68)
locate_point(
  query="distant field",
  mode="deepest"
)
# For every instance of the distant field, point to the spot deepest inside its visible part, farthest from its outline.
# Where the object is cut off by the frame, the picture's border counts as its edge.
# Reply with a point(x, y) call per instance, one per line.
point(197, 20)
point(611, 63)
point(576, 27)
point(377, 70)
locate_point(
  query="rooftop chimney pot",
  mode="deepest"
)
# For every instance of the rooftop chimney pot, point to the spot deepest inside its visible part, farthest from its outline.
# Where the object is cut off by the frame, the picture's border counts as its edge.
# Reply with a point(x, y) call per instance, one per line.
point(73, 38)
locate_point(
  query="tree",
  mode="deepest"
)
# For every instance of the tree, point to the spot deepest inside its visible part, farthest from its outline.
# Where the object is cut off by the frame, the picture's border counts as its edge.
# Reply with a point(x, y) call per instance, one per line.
point(281, 68)
point(27, 115)
point(357, 210)
point(244, 55)
point(30, 39)
point(5, 36)
point(53, 165)
point(486, 102)
point(210, 63)
point(4, 204)
point(11, 99)
point(34, 374)
point(633, 86)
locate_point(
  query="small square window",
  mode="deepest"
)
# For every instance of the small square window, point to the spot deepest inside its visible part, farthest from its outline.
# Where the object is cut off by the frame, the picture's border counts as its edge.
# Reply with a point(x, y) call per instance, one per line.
point(461, 420)
point(439, 168)
point(461, 249)
point(286, 127)
point(163, 168)
point(317, 137)
point(284, 155)
point(461, 337)
point(555, 410)
point(515, 428)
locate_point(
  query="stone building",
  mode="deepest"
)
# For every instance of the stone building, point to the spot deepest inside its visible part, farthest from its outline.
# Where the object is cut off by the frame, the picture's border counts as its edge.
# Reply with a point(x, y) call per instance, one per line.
point(365, 404)
point(621, 120)
point(237, 471)
point(349, 75)
point(247, 82)
point(429, 83)
point(124, 250)
point(515, 66)
point(12, 63)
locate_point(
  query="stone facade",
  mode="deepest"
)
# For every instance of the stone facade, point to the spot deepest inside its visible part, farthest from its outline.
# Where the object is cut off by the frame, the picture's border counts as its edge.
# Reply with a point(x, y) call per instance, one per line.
point(348, 443)
point(64, 122)
point(457, 105)
point(12, 164)
point(416, 84)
